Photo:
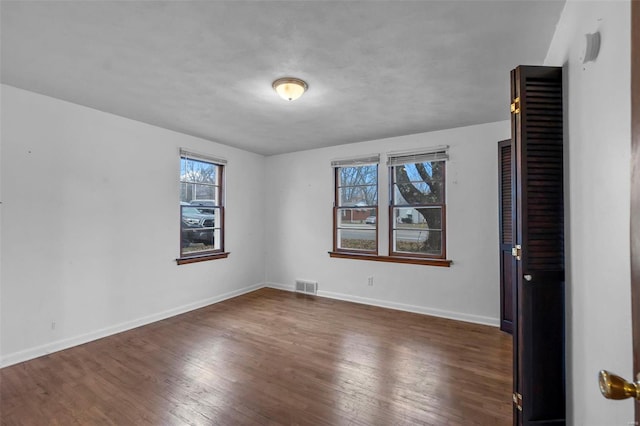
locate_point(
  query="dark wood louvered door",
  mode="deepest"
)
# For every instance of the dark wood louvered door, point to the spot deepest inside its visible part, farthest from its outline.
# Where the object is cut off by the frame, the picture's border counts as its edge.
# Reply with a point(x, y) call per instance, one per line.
point(506, 180)
point(537, 141)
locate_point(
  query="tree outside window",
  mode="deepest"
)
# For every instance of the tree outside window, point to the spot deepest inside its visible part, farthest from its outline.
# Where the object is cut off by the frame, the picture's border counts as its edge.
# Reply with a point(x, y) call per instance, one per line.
point(417, 212)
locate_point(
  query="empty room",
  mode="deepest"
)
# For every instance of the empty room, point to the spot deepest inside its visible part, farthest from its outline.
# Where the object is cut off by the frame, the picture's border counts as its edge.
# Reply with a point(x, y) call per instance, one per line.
point(320, 212)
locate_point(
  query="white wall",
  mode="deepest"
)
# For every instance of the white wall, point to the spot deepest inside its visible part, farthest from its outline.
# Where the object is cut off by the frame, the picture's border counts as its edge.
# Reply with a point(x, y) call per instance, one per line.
point(598, 155)
point(90, 230)
point(299, 235)
point(90, 225)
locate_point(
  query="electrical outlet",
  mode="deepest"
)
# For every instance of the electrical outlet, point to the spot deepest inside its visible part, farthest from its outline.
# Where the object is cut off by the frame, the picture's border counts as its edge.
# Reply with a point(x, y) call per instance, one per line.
point(53, 325)
point(370, 281)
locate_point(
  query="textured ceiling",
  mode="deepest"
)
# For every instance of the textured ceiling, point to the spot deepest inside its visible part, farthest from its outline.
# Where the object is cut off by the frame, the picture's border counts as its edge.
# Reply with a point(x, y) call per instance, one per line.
point(375, 68)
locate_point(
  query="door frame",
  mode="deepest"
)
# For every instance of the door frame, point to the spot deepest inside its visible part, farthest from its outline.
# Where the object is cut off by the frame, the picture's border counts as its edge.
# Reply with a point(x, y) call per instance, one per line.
point(635, 192)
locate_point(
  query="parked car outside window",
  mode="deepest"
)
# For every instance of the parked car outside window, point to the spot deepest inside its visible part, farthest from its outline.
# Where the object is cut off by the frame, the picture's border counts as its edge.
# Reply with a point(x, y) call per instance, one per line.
point(197, 227)
point(205, 206)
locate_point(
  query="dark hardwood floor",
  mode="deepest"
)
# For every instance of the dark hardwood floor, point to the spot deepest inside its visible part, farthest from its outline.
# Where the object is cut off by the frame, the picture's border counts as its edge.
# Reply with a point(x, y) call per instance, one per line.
point(272, 357)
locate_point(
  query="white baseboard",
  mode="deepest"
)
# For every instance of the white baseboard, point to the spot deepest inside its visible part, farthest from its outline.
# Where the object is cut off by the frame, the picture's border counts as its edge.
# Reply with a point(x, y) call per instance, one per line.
point(35, 352)
point(459, 316)
point(286, 287)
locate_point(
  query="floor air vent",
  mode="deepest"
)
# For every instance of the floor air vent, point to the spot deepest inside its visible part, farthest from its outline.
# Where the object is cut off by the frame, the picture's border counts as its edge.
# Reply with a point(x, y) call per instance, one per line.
point(307, 287)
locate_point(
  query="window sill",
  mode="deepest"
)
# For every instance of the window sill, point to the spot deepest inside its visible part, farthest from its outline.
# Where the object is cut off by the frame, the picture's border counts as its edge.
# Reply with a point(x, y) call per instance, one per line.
point(393, 259)
point(201, 258)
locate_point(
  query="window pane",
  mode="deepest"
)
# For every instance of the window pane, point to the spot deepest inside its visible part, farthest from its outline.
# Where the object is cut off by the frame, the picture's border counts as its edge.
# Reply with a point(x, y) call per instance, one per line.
point(204, 239)
point(195, 191)
point(195, 216)
point(430, 170)
point(419, 183)
point(360, 175)
point(205, 205)
point(203, 192)
point(357, 239)
point(418, 217)
point(415, 193)
point(358, 195)
point(356, 221)
point(198, 171)
point(196, 240)
point(428, 242)
point(432, 216)
point(356, 218)
point(198, 181)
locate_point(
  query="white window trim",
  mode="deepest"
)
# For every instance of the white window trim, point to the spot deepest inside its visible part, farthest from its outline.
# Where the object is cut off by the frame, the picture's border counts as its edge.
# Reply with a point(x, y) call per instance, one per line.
point(356, 161)
point(438, 153)
point(192, 155)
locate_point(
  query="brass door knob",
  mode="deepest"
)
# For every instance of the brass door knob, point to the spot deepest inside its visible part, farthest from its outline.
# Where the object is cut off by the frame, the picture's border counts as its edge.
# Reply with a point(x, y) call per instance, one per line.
point(615, 387)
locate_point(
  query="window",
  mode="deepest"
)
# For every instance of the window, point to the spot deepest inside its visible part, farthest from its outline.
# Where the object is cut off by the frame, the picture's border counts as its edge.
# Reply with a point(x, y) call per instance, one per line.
point(415, 221)
point(201, 207)
point(356, 205)
point(417, 205)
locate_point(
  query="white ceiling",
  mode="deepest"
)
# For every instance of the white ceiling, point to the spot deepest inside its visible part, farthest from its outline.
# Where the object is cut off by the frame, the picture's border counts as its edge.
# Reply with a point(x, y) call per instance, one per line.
point(375, 68)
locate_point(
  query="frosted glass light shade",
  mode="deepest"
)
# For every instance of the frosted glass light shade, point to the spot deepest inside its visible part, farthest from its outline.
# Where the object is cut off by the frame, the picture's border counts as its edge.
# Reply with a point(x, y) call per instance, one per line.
point(289, 88)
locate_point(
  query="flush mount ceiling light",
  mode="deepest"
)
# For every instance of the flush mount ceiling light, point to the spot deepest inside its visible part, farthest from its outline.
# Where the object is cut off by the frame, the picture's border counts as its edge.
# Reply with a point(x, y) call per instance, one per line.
point(289, 88)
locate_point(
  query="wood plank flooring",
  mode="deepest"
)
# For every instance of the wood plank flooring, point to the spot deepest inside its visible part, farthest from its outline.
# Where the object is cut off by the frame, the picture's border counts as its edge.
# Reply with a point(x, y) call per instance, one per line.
point(268, 358)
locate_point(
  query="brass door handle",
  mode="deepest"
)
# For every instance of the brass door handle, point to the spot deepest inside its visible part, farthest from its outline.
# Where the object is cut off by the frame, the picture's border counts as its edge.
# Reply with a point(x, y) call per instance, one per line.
point(615, 387)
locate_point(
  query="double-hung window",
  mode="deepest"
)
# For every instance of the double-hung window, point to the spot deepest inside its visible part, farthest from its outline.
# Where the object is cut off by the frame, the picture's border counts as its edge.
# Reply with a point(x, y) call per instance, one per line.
point(415, 222)
point(417, 211)
point(201, 207)
point(355, 212)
